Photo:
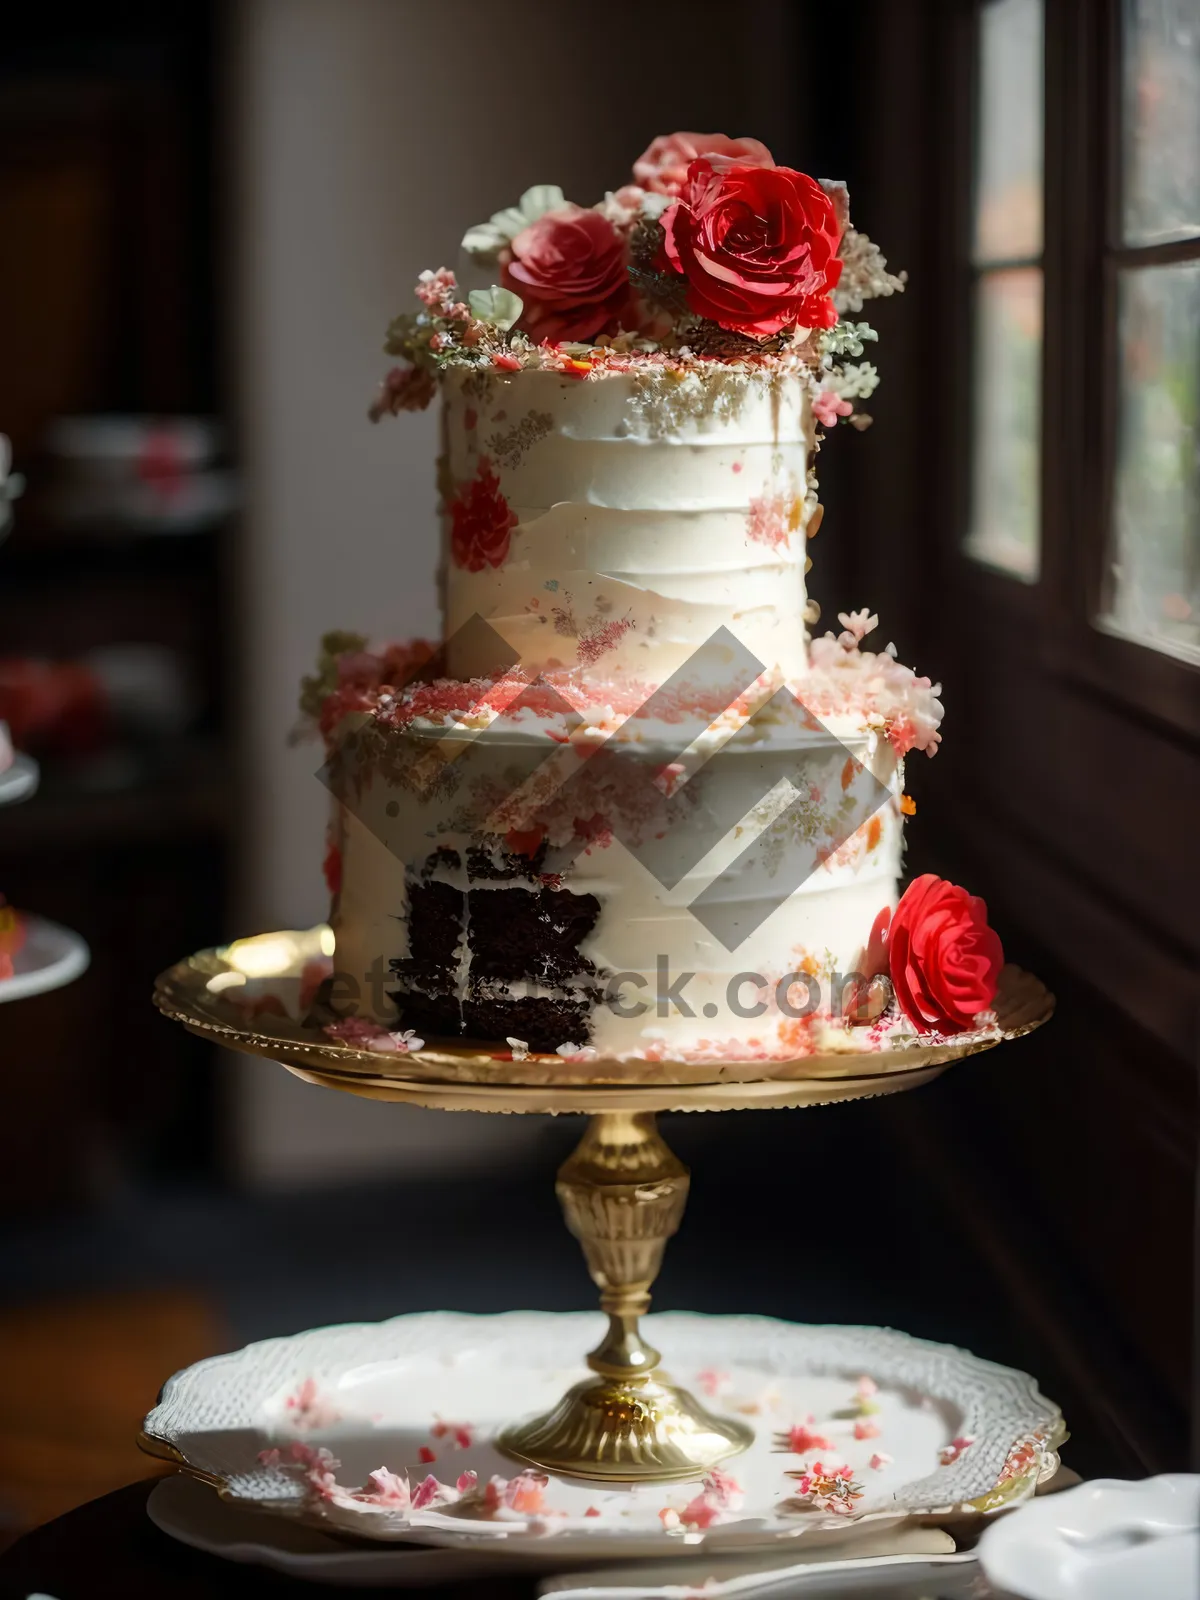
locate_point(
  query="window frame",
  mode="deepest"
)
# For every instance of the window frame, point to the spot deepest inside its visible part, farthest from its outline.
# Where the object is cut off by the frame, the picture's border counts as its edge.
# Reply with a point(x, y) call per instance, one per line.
point(1063, 607)
point(979, 269)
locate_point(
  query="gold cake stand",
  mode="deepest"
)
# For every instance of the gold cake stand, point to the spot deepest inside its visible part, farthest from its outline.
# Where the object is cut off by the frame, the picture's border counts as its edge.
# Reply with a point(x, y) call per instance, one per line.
point(622, 1190)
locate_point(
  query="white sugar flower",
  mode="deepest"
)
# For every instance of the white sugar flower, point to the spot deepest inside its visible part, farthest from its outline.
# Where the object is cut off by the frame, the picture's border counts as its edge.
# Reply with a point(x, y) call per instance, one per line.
point(407, 1040)
point(857, 624)
point(864, 273)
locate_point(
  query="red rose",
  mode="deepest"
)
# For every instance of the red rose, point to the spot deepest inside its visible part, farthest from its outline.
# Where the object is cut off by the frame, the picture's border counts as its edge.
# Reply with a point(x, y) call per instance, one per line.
point(757, 245)
point(570, 267)
point(943, 958)
point(481, 521)
point(663, 166)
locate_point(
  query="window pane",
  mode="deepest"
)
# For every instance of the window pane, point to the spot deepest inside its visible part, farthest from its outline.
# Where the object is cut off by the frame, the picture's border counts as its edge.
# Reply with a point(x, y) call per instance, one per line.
point(1005, 498)
point(1162, 119)
point(1008, 192)
point(1156, 526)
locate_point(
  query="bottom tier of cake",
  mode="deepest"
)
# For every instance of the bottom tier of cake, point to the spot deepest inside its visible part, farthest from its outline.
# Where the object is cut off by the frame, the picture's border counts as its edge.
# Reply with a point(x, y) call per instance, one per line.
point(622, 906)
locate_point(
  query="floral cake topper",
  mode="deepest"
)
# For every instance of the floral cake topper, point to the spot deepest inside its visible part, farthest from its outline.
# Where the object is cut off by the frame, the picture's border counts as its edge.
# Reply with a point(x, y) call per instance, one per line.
point(713, 253)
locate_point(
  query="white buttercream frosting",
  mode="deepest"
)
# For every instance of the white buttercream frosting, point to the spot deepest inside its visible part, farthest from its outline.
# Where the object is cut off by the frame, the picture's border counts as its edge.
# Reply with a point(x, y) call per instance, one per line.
point(651, 509)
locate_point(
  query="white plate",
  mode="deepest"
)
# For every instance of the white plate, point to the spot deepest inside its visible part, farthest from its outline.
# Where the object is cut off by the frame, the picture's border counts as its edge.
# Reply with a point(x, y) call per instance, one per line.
point(373, 1395)
point(50, 957)
point(1104, 1540)
point(872, 1561)
point(896, 1577)
point(195, 1515)
point(18, 781)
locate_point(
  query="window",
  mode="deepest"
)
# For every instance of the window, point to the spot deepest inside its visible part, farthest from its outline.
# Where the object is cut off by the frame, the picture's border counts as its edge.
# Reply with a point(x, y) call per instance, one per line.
point(1007, 291)
point(1152, 587)
point(1046, 475)
point(1085, 461)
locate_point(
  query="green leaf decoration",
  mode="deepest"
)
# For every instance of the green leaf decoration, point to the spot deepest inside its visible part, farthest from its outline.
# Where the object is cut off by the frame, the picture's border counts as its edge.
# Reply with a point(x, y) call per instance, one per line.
point(484, 243)
point(500, 307)
point(541, 198)
point(315, 687)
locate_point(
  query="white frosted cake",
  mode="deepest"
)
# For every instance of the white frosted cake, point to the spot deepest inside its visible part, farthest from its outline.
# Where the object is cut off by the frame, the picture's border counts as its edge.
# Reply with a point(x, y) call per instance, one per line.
point(630, 807)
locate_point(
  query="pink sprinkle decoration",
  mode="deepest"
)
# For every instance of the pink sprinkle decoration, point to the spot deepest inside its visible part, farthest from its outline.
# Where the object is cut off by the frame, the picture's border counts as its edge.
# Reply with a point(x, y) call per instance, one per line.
point(880, 1460)
point(591, 1512)
point(725, 1487)
point(719, 1492)
point(384, 1488)
point(768, 519)
point(603, 637)
point(828, 1488)
point(713, 1383)
point(467, 1481)
point(955, 1448)
point(801, 1440)
point(866, 1430)
point(427, 1492)
point(319, 1465)
point(527, 1491)
point(425, 1455)
point(462, 1433)
point(701, 1512)
point(309, 1408)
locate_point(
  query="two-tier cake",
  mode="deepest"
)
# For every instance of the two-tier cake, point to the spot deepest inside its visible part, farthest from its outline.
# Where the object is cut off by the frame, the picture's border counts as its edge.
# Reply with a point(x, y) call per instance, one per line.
point(630, 807)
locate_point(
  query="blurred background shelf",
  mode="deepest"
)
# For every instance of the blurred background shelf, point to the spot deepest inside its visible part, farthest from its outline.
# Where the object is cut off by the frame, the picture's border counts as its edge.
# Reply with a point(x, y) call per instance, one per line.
point(50, 958)
point(19, 782)
point(118, 583)
point(181, 792)
point(43, 547)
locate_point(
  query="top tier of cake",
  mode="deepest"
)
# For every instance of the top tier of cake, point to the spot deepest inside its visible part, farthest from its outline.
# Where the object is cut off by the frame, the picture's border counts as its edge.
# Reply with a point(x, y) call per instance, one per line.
point(617, 523)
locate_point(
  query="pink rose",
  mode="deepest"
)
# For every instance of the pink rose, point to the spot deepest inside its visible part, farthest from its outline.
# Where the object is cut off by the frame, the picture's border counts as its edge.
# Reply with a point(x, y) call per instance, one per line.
point(570, 268)
point(663, 167)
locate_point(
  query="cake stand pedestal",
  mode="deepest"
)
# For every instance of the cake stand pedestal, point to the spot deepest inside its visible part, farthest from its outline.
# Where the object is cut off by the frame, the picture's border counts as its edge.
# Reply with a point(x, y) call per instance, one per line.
point(623, 1194)
point(622, 1190)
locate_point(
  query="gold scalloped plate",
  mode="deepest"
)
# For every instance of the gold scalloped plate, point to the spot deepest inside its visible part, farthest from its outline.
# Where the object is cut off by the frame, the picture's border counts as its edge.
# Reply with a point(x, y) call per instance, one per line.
point(455, 1076)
